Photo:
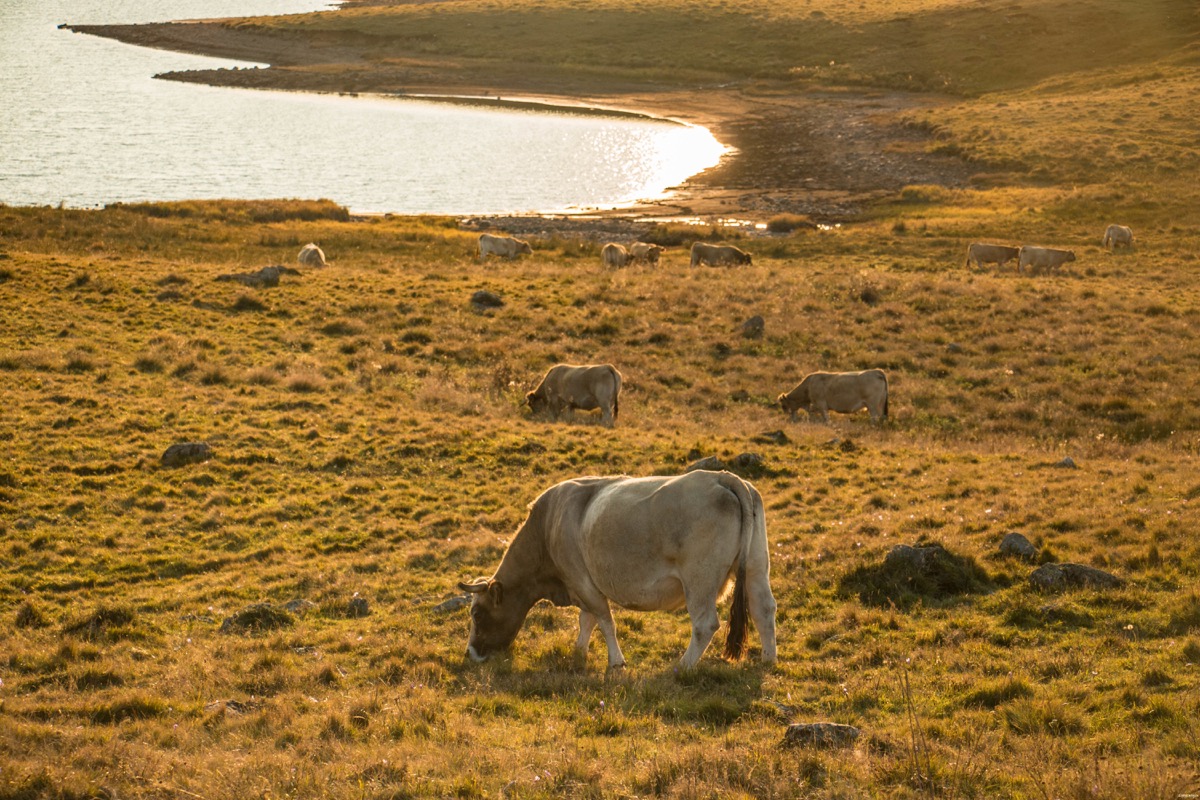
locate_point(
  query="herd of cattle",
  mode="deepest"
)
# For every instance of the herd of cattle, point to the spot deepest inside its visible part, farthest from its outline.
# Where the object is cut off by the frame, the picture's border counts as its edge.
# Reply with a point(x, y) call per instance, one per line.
point(1040, 258)
point(663, 543)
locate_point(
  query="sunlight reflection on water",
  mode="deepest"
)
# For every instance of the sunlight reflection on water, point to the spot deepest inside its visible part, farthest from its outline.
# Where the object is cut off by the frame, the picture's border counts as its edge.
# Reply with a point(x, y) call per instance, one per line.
point(86, 125)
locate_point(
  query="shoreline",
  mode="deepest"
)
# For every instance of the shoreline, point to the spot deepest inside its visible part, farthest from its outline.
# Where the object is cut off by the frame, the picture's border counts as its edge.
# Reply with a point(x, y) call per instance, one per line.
point(822, 153)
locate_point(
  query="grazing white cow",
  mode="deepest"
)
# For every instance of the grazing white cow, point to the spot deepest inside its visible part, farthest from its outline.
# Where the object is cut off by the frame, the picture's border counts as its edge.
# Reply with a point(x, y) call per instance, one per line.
point(644, 251)
point(1118, 236)
point(503, 246)
point(844, 392)
point(716, 255)
point(1042, 258)
point(311, 256)
point(586, 387)
point(646, 544)
point(614, 255)
point(998, 254)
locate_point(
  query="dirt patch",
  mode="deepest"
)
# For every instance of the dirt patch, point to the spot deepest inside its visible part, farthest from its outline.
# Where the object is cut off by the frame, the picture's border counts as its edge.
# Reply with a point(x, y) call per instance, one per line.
point(796, 150)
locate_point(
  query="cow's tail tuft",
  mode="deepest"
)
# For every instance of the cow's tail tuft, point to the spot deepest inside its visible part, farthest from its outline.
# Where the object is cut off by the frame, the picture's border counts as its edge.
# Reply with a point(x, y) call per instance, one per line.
point(739, 609)
point(739, 617)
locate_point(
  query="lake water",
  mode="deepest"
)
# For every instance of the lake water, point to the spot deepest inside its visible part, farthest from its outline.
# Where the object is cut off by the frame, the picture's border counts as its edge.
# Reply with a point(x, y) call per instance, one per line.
point(86, 124)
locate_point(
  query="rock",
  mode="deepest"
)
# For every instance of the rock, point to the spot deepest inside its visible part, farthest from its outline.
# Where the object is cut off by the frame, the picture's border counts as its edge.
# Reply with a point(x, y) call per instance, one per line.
point(263, 278)
point(954, 347)
point(740, 396)
point(712, 463)
point(1067, 463)
point(912, 573)
point(358, 607)
point(1060, 577)
point(298, 606)
point(1015, 544)
point(820, 734)
point(257, 617)
point(483, 300)
point(453, 604)
point(771, 437)
point(752, 328)
point(747, 461)
point(177, 455)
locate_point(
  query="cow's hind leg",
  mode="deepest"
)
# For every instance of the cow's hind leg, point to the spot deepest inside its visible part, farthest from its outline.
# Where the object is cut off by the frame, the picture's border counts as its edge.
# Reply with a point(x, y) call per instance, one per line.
point(587, 624)
point(705, 622)
point(762, 611)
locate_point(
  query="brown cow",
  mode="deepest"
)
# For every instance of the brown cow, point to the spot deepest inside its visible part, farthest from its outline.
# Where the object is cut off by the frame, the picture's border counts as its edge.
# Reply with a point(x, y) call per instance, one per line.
point(844, 392)
point(718, 255)
point(644, 251)
point(503, 246)
point(1118, 236)
point(646, 544)
point(998, 254)
point(614, 255)
point(586, 387)
point(1042, 258)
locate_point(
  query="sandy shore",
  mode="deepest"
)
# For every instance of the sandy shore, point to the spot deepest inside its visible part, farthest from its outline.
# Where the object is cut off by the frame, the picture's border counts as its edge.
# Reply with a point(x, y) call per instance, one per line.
point(819, 153)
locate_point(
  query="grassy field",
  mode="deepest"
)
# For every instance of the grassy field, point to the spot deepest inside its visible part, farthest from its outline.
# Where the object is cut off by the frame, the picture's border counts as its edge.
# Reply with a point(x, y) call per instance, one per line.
point(370, 450)
point(370, 445)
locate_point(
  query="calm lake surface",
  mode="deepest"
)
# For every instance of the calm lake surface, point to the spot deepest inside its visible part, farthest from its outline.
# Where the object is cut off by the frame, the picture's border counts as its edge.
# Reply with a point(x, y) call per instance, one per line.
point(86, 124)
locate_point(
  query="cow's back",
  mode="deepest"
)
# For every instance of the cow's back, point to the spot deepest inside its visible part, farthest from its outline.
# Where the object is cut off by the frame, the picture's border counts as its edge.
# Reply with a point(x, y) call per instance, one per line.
point(638, 534)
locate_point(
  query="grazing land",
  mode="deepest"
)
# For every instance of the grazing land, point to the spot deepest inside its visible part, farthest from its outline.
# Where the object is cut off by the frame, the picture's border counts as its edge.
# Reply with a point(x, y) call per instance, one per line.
point(270, 622)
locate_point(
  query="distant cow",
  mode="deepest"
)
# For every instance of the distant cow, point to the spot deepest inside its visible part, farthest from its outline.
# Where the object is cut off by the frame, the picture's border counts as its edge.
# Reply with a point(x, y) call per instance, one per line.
point(503, 246)
point(718, 255)
point(644, 251)
point(614, 255)
point(311, 256)
point(844, 392)
point(647, 544)
point(1042, 258)
point(998, 254)
point(1118, 236)
point(585, 387)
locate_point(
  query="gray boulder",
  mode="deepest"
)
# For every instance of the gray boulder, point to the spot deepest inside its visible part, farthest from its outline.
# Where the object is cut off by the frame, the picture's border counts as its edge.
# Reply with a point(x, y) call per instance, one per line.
point(1061, 577)
point(711, 463)
point(752, 328)
point(1015, 544)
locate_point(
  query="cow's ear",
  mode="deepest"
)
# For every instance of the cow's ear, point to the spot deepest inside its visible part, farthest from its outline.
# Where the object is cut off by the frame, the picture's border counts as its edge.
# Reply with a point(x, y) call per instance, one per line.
point(473, 588)
point(496, 591)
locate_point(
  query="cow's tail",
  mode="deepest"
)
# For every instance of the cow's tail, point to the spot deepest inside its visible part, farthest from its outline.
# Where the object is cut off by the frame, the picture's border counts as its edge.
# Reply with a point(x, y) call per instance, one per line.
point(739, 610)
point(616, 394)
point(887, 393)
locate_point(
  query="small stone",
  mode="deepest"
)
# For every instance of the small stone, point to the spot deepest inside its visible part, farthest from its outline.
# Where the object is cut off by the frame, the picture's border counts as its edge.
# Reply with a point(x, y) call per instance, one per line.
point(752, 328)
point(771, 437)
point(820, 734)
point(1067, 463)
point(711, 463)
point(177, 455)
point(482, 300)
point(747, 461)
point(453, 604)
point(1015, 544)
point(358, 607)
point(257, 617)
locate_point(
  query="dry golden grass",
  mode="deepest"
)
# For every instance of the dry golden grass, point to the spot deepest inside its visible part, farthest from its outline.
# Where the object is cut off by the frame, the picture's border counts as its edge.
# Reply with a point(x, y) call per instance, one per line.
point(370, 446)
